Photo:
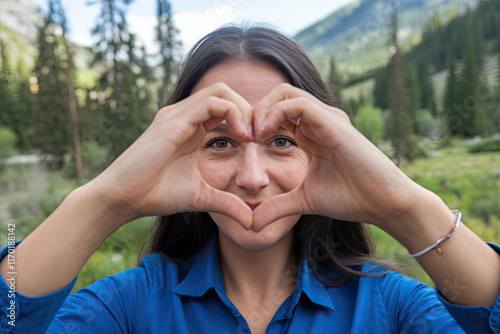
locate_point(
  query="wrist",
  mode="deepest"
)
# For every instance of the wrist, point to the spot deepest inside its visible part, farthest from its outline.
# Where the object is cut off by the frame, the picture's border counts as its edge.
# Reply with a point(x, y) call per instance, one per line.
point(100, 212)
point(425, 221)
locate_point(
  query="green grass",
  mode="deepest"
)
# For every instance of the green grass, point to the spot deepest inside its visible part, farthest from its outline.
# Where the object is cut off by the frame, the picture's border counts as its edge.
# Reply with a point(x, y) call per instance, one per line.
point(118, 253)
point(29, 194)
point(469, 182)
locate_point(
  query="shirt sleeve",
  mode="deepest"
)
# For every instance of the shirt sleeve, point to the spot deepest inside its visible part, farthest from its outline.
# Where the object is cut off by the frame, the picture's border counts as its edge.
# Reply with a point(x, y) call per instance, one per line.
point(25, 314)
point(413, 307)
point(110, 305)
point(479, 319)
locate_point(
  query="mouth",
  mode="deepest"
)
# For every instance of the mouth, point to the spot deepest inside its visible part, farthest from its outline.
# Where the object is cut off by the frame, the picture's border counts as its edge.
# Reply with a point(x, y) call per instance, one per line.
point(253, 206)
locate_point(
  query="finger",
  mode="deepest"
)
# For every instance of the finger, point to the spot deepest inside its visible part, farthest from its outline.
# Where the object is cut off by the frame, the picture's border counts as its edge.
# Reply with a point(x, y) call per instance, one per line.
point(224, 92)
point(199, 118)
point(277, 207)
point(230, 205)
point(289, 112)
point(284, 92)
point(209, 107)
point(218, 90)
point(217, 110)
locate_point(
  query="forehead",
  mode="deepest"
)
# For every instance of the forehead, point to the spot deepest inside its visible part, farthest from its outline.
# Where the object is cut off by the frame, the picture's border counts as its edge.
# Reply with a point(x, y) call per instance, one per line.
point(251, 79)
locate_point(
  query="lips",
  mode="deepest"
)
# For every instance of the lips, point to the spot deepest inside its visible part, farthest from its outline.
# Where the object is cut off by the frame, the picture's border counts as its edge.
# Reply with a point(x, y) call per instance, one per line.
point(253, 206)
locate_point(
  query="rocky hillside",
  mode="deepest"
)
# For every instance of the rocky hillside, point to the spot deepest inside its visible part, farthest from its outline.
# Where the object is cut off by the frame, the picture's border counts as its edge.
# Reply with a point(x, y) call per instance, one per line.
point(357, 35)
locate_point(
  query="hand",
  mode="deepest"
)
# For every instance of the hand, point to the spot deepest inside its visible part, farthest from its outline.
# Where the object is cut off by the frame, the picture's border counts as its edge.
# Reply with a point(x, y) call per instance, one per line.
point(158, 174)
point(348, 177)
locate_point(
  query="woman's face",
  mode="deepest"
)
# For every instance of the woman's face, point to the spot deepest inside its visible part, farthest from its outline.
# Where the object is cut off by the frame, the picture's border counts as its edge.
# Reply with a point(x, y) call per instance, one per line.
point(252, 171)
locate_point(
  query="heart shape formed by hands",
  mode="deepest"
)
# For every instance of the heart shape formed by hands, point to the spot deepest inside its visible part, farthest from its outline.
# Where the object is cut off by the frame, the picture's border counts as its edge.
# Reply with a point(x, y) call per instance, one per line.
point(348, 178)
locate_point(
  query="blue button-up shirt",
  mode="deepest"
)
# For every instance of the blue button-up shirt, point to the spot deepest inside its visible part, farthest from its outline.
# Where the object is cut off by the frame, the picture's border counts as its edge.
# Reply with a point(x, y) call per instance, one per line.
point(161, 296)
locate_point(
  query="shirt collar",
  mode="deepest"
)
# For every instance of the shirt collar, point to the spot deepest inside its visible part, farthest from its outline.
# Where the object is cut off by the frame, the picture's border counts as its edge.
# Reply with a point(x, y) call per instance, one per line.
point(205, 274)
point(309, 284)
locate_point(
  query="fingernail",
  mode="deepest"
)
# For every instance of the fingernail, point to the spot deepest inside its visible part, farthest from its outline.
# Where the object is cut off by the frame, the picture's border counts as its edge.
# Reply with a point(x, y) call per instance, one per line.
point(263, 126)
point(245, 129)
point(250, 131)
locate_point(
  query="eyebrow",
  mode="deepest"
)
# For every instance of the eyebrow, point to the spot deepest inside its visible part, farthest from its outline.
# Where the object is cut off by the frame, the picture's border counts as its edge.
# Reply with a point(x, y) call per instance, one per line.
point(222, 128)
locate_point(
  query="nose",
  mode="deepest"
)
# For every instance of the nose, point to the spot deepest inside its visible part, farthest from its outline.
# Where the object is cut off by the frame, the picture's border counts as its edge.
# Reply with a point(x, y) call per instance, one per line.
point(252, 172)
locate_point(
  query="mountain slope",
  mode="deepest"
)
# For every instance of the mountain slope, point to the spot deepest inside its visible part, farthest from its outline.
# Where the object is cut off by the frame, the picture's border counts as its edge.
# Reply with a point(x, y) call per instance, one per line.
point(19, 24)
point(357, 35)
point(21, 16)
point(19, 20)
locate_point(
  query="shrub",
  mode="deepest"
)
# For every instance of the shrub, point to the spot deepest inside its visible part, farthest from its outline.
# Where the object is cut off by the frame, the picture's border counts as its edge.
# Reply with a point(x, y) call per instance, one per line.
point(94, 156)
point(94, 159)
point(370, 122)
point(492, 145)
point(7, 142)
point(425, 123)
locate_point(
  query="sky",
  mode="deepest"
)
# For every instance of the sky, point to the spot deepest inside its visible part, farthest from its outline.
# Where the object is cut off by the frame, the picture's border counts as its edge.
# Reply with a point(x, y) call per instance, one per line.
point(195, 18)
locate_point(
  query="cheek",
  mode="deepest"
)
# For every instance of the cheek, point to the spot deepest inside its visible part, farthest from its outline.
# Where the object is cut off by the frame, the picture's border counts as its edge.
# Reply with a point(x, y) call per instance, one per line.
point(215, 173)
point(290, 172)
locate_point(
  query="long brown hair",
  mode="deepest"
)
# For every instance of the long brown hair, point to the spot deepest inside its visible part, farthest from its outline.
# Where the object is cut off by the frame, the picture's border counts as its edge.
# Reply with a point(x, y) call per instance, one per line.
point(327, 243)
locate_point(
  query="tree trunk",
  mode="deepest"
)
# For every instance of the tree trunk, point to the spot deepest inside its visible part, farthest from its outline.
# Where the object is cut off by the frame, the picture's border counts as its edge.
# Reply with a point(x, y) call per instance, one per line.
point(73, 109)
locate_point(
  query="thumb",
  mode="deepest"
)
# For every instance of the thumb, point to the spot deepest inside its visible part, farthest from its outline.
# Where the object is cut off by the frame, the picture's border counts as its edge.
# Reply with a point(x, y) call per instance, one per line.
point(230, 205)
point(277, 207)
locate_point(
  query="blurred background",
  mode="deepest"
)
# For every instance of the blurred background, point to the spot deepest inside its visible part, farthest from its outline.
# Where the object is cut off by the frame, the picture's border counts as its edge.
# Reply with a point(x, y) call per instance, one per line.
point(81, 80)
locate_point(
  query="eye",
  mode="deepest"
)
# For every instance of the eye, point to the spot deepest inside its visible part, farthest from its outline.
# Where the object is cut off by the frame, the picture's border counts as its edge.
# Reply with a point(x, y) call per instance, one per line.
point(219, 144)
point(283, 142)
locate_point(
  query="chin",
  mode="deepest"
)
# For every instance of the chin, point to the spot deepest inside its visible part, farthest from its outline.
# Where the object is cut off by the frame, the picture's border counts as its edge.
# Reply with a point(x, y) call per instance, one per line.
point(268, 237)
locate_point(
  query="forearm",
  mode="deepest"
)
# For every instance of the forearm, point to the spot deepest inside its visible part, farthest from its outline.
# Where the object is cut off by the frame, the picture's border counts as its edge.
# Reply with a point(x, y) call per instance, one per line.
point(468, 270)
point(53, 255)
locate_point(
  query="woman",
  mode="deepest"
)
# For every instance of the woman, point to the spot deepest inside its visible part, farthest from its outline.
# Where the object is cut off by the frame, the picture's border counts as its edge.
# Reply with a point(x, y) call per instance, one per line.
point(259, 182)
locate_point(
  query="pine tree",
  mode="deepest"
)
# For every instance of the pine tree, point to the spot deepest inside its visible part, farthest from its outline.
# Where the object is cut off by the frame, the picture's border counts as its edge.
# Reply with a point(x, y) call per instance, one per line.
point(125, 111)
point(426, 87)
point(400, 126)
point(483, 126)
point(334, 84)
point(440, 39)
point(380, 91)
point(498, 46)
point(15, 98)
point(452, 104)
point(469, 84)
point(23, 109)
point(50, 113)
point(414, 94)
point(166, 36)
point(56, 12)
point(6, 90)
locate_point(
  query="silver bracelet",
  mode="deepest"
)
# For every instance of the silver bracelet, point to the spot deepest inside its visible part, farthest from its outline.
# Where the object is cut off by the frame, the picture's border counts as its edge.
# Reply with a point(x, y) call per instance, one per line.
point(439, 241)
